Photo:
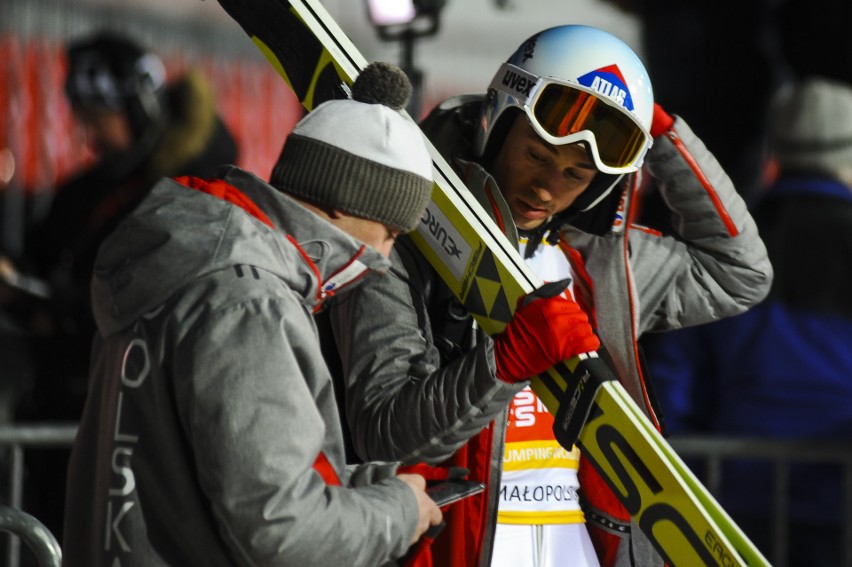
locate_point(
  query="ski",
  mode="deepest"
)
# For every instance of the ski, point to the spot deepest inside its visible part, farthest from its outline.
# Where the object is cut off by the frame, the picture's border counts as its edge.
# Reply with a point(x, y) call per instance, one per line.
point(668, 503)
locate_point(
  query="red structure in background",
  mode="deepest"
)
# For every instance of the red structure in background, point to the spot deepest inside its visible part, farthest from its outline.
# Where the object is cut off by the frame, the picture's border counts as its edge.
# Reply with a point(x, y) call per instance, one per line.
point(36, 122)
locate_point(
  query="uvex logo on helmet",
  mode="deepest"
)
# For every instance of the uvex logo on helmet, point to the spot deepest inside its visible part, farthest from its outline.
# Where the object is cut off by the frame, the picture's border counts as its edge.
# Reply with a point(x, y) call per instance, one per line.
point(609, 82)
point(518, 83)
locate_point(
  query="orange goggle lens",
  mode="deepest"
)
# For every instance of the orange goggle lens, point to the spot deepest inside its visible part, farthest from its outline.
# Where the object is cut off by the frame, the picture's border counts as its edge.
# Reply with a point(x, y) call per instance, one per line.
point(562, 110)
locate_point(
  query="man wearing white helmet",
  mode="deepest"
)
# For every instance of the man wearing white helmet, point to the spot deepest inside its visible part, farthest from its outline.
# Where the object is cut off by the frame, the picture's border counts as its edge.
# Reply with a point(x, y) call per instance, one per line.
point(555, 151)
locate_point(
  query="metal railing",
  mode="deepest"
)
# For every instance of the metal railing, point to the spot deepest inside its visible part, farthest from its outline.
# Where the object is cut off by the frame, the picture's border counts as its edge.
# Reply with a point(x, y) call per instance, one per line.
point(711, 452)
point(35, 534)
point(16, 439)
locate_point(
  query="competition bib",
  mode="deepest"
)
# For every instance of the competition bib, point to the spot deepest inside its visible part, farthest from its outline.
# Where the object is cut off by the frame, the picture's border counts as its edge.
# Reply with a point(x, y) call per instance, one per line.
point(539, 484)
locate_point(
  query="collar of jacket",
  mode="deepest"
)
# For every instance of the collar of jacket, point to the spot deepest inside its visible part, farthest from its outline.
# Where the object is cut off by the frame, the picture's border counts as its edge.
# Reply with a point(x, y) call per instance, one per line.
point(337, 259)
point(484, 188)
point(177, 235)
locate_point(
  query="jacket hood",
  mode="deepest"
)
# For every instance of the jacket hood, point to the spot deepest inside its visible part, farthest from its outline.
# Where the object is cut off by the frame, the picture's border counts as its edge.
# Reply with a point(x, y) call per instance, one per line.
point(178, 234)
point(191, 130)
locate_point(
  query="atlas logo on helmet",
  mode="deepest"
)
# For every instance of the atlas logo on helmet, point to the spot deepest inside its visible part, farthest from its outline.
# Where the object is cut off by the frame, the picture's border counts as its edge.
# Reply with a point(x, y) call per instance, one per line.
point(609, 82)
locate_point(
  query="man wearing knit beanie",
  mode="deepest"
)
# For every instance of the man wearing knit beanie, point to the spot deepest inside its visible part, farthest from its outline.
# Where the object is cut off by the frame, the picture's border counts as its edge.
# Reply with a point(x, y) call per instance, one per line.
point(211, 434)
point(367, 160)
point(811, 132)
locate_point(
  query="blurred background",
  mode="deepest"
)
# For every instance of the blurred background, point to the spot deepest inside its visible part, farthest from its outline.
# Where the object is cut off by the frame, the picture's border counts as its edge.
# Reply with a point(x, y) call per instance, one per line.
point(37, 130)
point(717, 63)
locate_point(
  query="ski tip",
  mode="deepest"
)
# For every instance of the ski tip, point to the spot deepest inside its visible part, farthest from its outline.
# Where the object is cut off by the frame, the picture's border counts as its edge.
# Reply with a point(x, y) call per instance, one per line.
point(382, 83)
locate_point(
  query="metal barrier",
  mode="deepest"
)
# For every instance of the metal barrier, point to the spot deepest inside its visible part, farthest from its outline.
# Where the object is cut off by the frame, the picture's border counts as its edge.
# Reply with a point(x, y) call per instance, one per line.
point(711, 451)
point(34, 533)
point(16, 438)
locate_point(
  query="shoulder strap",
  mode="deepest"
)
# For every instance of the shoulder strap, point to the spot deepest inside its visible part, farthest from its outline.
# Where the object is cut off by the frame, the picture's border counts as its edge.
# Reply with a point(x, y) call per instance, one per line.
point(451, 324)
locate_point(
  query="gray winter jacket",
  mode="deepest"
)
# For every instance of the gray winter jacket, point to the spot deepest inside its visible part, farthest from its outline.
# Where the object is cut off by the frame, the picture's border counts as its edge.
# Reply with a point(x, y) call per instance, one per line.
point(402, 404)
point(211, 435)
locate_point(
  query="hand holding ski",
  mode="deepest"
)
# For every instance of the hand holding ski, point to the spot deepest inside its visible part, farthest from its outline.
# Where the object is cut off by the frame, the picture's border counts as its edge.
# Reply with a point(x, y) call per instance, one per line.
point(547, 328)
point(484, 270)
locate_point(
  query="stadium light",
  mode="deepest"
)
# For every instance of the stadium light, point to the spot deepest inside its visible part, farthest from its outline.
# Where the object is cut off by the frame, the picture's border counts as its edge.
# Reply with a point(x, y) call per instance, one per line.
point(398, 19)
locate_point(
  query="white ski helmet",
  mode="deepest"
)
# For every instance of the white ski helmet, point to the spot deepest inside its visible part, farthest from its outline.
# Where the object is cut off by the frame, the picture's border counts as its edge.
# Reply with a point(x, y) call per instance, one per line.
point(576, 83)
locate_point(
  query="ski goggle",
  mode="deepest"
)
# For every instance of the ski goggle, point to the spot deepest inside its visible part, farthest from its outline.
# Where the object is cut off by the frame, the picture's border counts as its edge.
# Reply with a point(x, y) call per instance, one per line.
point(563, 113)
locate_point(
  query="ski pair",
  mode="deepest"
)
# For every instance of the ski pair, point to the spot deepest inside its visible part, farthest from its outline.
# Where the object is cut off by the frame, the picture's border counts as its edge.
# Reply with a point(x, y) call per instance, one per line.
point(673, 509)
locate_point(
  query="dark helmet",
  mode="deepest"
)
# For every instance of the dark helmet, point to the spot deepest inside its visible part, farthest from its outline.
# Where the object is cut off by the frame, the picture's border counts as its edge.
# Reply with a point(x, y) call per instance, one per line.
point(109, 71)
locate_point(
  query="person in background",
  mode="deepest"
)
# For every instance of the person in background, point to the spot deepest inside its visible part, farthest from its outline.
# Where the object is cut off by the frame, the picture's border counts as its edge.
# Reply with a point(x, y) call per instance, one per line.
point(210, 434)
point(783, 370)
point(14, 345)
point(141, 128)
point(555, 151)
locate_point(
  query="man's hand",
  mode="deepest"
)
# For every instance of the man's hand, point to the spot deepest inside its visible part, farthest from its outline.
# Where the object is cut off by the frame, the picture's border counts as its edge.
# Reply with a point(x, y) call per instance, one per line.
point(547, 328)
point(430, 514)
point(8, 293)
point(13, 282)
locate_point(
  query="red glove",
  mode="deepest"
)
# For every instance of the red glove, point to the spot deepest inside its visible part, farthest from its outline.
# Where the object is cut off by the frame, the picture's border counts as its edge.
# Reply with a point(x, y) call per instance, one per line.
point(662, 121)
point(546, 329)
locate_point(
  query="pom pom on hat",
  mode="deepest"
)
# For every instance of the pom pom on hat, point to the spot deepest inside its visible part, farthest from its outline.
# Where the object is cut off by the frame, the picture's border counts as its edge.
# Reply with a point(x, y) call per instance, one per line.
point(382, 83)
point(812, 128)
point(361, 156)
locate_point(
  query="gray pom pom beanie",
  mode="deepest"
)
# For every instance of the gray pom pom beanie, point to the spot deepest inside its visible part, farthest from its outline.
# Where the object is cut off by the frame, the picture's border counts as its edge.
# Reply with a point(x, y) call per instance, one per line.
point(812, 129)
point(363, 156)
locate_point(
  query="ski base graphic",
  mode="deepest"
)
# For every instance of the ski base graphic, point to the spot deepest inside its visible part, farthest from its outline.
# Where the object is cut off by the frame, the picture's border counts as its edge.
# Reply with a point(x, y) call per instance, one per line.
point(672, 508)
